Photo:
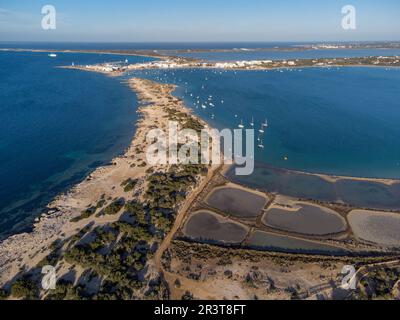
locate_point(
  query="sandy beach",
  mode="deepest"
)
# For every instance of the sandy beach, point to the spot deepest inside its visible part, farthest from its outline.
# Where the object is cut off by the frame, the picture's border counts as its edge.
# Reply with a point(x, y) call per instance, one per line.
point(22, 252)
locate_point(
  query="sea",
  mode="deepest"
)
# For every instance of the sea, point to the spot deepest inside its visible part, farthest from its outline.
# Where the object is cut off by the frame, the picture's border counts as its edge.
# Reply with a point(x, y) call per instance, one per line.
point(58, 125)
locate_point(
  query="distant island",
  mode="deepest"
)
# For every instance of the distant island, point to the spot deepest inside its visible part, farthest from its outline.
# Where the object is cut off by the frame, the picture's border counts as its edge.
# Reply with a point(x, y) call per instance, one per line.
point(135, 231)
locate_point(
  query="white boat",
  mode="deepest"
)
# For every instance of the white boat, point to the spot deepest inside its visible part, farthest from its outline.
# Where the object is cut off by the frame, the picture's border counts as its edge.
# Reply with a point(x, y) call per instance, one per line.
point(261, 145)
point(52, 55)
point(265, 125)
point(252, 121)
point(261, 130)
point(204, 106)
point(241, 126)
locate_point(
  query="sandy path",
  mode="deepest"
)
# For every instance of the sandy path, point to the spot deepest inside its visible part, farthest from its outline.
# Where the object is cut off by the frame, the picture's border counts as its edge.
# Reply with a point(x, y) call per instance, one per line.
point(178, 223)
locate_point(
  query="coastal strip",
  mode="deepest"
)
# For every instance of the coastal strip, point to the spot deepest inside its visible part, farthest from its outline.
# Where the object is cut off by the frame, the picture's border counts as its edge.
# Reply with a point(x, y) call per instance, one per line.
point(128, 200)
point(250, 65)
point(140, 53)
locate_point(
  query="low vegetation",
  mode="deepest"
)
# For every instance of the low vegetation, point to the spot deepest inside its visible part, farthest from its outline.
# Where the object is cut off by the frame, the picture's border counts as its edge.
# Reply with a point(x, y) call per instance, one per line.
point(114, 207)
point(25, 289)
point(378, 284)
point(85, 214)
point(129, 184)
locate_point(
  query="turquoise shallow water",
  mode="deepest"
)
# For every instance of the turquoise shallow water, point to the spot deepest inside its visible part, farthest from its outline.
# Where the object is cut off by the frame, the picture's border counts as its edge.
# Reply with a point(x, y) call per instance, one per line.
point(57, 125)
point(341, 121)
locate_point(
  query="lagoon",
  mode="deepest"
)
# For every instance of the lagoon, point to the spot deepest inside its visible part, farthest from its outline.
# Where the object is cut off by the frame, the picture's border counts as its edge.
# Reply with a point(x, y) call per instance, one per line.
point(338, 121)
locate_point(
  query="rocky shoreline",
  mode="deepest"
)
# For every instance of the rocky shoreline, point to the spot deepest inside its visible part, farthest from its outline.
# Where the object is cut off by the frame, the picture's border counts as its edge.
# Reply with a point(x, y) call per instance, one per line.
point(68, 213)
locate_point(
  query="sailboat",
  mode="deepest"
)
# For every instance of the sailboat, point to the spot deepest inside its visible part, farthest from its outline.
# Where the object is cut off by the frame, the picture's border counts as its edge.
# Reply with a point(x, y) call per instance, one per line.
point(252, 121)
point(261, 145)
point(261, 129)
point(241, 126)
point(265, 125)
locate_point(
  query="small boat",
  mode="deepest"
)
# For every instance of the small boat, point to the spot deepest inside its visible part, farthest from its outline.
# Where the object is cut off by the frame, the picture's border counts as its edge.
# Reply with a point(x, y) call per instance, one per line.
point(241, 126)
point(265, 124)
point(261, 130)
point(204, 106)
point(52, 55)
point(261, 145)
point(252, 121)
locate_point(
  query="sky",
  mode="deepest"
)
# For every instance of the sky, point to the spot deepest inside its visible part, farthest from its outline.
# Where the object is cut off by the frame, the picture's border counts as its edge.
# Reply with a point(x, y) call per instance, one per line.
point(199, 21)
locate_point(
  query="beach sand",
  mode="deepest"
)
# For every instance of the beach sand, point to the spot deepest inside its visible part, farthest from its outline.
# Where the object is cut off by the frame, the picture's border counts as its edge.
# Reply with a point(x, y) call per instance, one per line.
point(21, 252)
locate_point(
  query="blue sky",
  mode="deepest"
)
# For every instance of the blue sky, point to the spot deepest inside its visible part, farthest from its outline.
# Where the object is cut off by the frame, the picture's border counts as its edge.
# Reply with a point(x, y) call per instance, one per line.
point(205, 20)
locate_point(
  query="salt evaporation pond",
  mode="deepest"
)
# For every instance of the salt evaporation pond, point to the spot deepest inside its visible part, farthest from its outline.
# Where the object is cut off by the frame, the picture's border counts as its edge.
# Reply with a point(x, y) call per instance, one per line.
point(237, 202)
point(271, 242)
point(305, 219)
point(382, 228)
point(209, 227)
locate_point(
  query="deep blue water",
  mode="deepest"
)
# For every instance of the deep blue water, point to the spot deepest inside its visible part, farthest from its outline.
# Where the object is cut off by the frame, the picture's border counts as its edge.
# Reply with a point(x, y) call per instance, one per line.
point(341, 121)
point(146, 45)
point(281, 55)
point(57, 125)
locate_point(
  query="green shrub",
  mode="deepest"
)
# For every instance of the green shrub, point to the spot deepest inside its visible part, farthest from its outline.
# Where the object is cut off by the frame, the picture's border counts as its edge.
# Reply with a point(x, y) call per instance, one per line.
point(24, 289)
point(114, 207)
point(3, 294)
point(85, 214)
point(129, 184)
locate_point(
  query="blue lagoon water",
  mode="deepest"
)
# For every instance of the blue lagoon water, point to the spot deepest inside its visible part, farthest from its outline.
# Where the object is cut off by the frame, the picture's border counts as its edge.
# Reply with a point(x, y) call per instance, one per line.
point(337, 121)
point(341, 121)
point(57, 125)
